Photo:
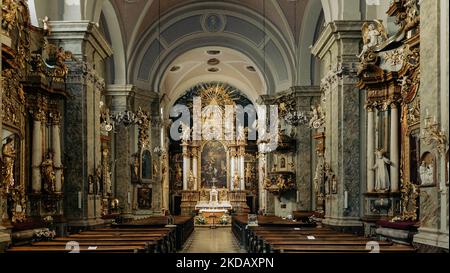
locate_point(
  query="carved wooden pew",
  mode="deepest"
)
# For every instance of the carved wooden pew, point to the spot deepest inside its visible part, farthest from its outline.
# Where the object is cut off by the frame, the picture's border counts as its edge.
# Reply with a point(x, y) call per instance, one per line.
point(110, 240)
point(83, 249)
point(275, 235)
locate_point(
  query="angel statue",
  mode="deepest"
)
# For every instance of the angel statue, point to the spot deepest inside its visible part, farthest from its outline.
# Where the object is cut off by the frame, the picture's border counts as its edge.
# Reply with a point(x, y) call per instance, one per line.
point(382, 182)
point(45, 25)
point(9, 156)
point(373, 35)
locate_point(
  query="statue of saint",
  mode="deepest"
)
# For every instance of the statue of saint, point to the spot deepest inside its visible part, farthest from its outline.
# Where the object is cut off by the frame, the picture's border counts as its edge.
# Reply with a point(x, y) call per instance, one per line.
point(135, 177)
point(48, 173)
point(382, 182)
point(236, 180)
point(106, 172)
point(91, 184)
point(9, 156)
point(248, 173)
point(426, 173)
point(178, 173)
point(191, 181)
point(98, 181)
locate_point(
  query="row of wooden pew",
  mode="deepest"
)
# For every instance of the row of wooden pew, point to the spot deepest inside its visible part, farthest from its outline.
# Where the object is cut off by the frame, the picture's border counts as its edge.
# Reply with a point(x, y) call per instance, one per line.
point(143, 236)
point(107, 240)
point(294, 238)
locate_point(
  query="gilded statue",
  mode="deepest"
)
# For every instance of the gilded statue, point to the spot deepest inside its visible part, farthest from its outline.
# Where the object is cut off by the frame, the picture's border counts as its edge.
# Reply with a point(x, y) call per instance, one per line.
point(191, 181)
point(178, 173)
point(45, 25)
point(9, 14)
point(248, 173)
point(106, 172)
point(135, 176)
point(9, 156)
point(236, 180)
point(48, 173)
point(61, 69)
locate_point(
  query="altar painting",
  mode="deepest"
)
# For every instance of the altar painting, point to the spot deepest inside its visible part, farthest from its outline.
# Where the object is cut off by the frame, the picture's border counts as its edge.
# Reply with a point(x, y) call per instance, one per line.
point(214, 165)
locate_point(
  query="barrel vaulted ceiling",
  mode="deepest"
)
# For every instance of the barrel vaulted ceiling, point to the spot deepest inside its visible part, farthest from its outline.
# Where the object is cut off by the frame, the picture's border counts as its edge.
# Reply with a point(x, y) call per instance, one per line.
point(157, 32)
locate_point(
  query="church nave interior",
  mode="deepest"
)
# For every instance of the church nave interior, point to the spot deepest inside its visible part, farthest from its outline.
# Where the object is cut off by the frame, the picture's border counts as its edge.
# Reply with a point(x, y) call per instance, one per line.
point(251, 126)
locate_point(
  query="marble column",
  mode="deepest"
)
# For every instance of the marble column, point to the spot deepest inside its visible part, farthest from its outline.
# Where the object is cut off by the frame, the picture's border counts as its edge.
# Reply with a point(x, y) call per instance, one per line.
point(262, 175)
point(56, 145)
point(81, 117)
point(370, 150)
point(337, 48)
point(394, 149)
point(37, 155)
point(241, 162)
point(121, 95)
point(186, 166)
point(232, 166)
point(195, 166)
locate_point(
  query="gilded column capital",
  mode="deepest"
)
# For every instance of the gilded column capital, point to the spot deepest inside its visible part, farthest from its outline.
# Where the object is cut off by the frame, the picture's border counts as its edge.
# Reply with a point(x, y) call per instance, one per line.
point(55, 118)
point(39, 115)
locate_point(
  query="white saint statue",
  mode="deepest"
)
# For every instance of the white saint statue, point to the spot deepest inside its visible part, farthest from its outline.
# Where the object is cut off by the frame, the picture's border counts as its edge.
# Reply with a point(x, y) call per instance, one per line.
point(382, 182)
point(426, 173)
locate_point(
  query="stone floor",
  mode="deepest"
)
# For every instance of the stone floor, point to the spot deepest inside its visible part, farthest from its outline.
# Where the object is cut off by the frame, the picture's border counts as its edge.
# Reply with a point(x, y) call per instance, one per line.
point(206, 240)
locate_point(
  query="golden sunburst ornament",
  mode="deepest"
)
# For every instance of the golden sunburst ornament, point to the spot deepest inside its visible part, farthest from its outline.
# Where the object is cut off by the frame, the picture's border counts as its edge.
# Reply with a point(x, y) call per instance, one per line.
point(218, 94)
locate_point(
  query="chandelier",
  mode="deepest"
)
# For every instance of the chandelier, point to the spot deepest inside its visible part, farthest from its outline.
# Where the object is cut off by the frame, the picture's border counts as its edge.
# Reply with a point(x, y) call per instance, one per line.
point(126, 118)
point(297, 118)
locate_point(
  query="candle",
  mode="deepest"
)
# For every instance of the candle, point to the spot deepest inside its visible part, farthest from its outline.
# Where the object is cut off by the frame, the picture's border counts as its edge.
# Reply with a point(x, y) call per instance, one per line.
point(129, 197)
point(79, 199)
point(428, 112)
point(345, 199)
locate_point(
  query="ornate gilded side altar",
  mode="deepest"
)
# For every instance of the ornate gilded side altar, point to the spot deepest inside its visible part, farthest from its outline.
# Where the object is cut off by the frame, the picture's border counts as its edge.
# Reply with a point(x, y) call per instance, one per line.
point(390, 74)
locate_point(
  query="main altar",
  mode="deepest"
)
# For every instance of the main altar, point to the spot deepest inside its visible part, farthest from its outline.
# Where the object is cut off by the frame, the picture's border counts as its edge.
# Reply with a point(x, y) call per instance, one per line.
point(216, 171)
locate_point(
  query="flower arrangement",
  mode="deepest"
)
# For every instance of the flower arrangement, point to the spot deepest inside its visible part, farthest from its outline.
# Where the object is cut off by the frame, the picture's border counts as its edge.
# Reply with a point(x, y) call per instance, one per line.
point(200, 220)
point(44, 235)
point(224, 220)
